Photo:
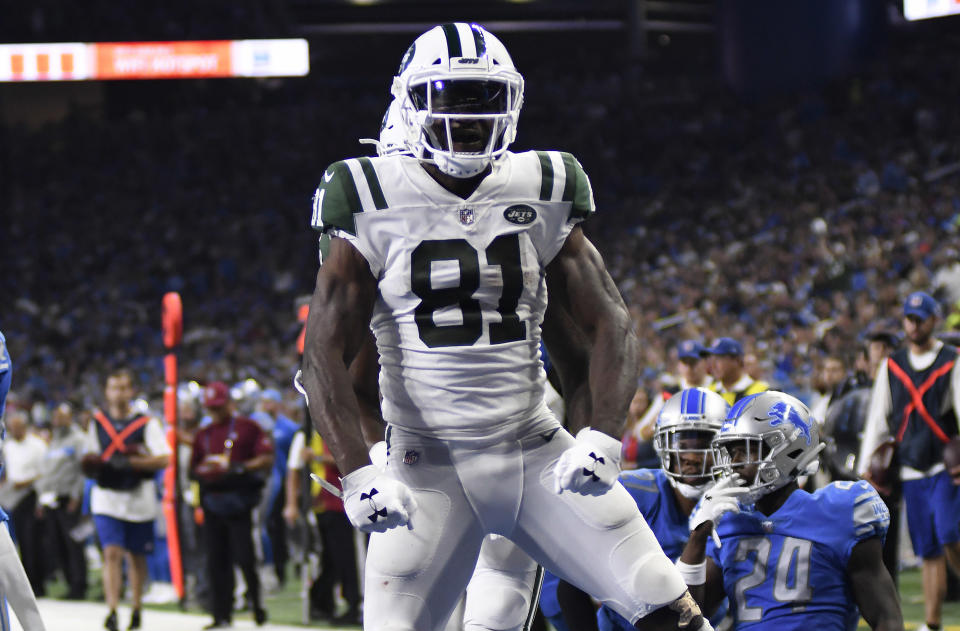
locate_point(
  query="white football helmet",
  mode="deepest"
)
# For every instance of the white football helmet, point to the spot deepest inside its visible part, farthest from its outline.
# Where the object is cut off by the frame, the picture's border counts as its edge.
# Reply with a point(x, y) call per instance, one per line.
point(457, 85)
point(686, 427)
point(393, 136)
point(776, 432)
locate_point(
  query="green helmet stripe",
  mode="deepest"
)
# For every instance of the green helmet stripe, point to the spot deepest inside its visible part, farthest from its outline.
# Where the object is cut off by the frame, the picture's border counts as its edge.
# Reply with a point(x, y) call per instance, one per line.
point(570, 177)
point(454, 49)
point(376, 191)
point(546, 173)
point(478, 39)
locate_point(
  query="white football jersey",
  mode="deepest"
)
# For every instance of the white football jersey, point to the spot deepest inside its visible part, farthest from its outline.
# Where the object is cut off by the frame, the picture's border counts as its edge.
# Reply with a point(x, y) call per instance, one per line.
point(461, 281)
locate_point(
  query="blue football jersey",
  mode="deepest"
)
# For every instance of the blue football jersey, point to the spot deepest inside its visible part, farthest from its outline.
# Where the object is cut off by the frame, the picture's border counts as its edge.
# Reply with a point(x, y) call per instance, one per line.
point(788, 570)
point(651, 490)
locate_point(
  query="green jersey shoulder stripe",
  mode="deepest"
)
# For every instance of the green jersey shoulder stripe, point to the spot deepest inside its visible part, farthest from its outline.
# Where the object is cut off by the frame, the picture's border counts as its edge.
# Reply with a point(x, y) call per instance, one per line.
point(336, 200)
point(546, 176)
point(478, 40)
point(324, 247)
point(569, 177)
point(373, 182)
point(576, 188)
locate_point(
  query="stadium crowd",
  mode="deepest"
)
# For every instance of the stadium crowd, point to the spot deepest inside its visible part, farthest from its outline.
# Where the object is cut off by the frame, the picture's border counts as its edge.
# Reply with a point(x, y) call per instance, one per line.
point(796, 226)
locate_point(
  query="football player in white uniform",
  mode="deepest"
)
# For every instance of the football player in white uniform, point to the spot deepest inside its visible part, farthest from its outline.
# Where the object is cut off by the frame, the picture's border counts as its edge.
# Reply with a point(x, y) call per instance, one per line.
point(448, 255)
point(501, 593)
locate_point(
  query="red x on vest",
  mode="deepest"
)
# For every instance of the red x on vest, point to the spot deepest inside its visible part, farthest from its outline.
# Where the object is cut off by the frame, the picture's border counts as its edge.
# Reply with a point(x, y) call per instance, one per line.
point(118, 441)
point(916, 396)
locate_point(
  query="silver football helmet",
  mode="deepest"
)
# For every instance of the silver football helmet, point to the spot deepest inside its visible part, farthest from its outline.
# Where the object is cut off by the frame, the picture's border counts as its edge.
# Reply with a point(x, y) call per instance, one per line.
point(686, 426)
point(774, 431)
point(457, 87)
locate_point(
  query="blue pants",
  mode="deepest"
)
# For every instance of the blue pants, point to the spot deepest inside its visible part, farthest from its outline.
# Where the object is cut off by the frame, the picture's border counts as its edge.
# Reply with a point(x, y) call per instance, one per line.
point(933, 513)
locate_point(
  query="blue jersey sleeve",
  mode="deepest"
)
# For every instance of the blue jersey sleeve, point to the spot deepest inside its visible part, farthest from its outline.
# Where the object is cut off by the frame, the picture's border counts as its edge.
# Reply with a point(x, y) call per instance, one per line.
point(857, 512)
point(643, 488)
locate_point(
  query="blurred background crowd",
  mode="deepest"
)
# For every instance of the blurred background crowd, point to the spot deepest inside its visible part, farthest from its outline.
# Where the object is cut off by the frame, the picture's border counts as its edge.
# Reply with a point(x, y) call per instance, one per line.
point(795, 222)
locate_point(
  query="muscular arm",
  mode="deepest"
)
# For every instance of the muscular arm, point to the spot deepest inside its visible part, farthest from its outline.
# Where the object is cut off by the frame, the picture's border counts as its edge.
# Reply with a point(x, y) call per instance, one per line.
point(364, 372)
point(569, 351)
point(873, 588)
point(580, 285)
point(337, 327)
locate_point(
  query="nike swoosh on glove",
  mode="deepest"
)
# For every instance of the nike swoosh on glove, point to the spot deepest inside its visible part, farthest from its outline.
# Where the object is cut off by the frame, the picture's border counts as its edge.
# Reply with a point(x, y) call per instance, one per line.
point(722, 497)
point(591, 466)
point(375, 502)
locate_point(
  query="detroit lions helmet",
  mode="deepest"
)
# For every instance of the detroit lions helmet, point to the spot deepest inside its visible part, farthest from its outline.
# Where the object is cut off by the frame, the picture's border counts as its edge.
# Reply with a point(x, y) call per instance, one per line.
point(686, 426)
point(459, 97)
point(774, 431)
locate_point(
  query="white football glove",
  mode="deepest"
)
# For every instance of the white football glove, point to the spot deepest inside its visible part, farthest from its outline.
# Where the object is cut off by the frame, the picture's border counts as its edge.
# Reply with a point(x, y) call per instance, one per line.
point(378, 455)
point(722, 497)
point(591, 466)
point(375, 502)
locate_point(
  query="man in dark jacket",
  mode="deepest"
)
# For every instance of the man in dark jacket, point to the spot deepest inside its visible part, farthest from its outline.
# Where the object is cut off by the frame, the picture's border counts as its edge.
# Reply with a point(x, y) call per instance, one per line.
point(231, 458)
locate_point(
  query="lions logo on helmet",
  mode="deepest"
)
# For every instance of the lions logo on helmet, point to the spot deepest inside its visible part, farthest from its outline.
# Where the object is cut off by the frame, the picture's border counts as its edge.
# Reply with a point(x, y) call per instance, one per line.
point(459, 97)
point(773, 431)
point(686, 427)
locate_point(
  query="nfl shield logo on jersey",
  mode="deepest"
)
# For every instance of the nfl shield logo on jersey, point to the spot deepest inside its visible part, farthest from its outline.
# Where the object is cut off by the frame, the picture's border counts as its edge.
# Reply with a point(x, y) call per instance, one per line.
point(466, 216)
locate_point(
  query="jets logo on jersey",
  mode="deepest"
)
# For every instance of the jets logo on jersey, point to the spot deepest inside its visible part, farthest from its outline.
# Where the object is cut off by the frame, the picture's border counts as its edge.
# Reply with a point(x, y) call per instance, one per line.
point(782, 413)
point(467, 216)
point(520, 214)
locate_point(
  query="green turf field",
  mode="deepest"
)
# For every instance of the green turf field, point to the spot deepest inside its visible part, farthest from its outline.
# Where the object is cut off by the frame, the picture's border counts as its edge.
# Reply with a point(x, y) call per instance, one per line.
point(911, 601)
point(284, 606)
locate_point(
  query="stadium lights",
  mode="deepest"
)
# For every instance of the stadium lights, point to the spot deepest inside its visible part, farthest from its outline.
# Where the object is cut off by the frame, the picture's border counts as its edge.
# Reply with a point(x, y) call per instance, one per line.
point(154, 60)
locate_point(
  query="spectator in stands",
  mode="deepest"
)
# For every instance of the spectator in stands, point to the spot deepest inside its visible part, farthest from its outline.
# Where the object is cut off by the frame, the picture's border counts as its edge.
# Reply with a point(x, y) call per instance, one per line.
point(832, 373)
point(61, 493)
point(124, 449)
point(731, 380)
point(692, 372)
point(23, 454)
point(231, 457)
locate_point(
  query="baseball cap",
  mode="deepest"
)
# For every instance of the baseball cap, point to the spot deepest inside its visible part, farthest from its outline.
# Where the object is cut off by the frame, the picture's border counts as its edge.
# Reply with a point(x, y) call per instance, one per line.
point(216, 394)
point(690, 349)
point(726, 346)
point(921, 305)
point(271, 394)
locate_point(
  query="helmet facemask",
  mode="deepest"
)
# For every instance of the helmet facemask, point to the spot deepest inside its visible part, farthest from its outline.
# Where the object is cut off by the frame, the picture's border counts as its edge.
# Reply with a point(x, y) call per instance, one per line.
point(778, 461)
point(686, 457)
point(464, 123)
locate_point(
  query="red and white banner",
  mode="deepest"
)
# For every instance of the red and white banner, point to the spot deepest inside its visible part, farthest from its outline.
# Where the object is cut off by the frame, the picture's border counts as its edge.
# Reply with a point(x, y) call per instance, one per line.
point(154, 60)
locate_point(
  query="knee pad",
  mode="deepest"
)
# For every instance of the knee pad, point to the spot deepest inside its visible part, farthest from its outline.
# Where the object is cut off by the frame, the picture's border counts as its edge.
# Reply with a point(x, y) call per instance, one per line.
point(496, 602)
point(647, 574)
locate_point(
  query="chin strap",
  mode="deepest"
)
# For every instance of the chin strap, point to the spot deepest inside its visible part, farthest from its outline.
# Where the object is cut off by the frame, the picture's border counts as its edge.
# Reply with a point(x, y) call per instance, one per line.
point(689, 491)
point(462, 167)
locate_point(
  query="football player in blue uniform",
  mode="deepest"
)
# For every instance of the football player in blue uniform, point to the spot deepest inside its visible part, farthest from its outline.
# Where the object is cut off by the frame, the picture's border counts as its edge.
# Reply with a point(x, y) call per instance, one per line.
point(686, 425)
point(785, 558)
